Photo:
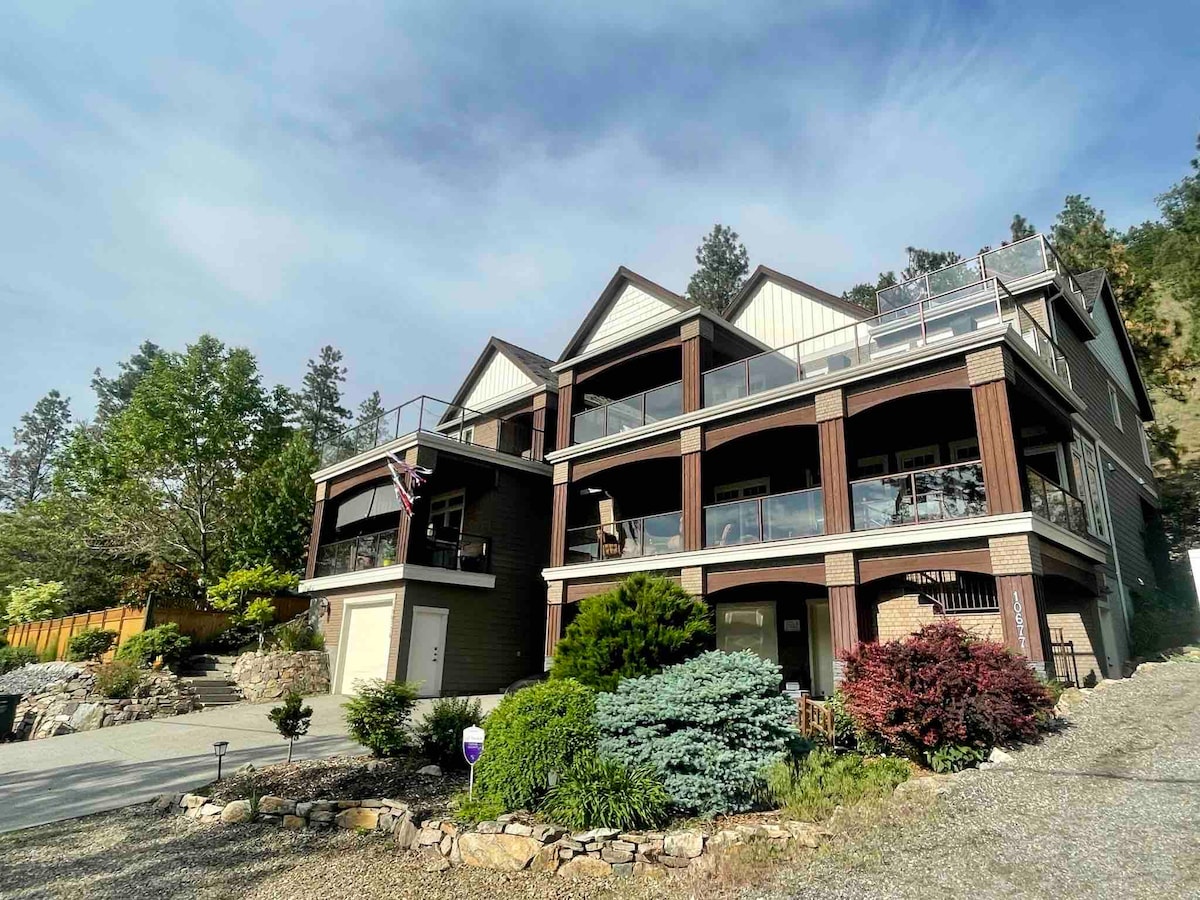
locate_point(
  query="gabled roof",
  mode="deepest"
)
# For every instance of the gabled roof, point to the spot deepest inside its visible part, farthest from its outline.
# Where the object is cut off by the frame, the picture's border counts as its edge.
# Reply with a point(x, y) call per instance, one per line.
point(1097, 289)
point(532, 365)
point(607, 297)
point(762, 273)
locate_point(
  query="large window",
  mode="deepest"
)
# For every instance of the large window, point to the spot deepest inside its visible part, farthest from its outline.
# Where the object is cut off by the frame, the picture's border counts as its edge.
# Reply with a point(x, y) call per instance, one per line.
point(748, 626)
point(1086, 463)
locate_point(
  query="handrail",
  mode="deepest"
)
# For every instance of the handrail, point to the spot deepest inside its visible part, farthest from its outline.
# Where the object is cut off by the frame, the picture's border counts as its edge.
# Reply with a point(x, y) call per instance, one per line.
point(957, 465)
point(374, 549)
point(450, 554)
point(765, 527)
point(907, 504)
point(617, 540)
point(605, 407)
point(1043, 497)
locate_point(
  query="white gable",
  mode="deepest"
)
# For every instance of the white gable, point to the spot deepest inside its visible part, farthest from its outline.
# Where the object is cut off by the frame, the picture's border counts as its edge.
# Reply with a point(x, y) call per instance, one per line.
point(1106, 348)
point(499, 380)
point(779, 316)
point(632, 311)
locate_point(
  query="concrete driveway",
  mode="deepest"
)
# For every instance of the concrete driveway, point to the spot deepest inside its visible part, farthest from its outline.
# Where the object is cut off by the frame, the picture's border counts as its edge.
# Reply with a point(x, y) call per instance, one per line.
point(78, 774)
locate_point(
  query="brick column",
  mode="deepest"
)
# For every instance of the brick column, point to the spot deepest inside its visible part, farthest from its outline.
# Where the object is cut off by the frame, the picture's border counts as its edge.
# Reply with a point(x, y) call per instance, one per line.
point(841, 578)
point(692, 336)
point(989, 371)
point(1017, 567)
point(554, 620)
point(558, 514)
point(835, 482)
point(314, 538)
point(693, 496)
point(566, 393)
point(692, 580)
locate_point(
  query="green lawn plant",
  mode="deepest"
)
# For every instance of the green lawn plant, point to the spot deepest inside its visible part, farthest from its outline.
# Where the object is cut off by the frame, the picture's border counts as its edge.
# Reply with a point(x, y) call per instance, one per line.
point(291, 719)
point(377, 717)
point(602, 793)
point(812, 787)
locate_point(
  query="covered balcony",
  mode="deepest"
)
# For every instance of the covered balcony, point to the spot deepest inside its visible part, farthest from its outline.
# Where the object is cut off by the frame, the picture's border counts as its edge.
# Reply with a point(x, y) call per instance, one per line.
point(628, 512)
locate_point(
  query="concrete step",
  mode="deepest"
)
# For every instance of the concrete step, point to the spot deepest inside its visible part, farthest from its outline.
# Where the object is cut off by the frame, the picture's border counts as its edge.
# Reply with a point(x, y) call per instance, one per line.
point(214, 690)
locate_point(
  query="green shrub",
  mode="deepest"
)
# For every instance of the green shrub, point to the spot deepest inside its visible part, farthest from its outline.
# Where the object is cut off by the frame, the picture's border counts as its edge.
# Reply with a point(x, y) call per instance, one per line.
point(378, 716)
point(954, 758)
point(848, 735)
point(602, 793)
point(33, 600)
point(118, 680)
point(708, 726)
point(538, 731)
point(295, 636)
point(49, 653)
point(90, 644)
point(15, 657)
point(812, 788)
point(638, 628)
point(440, 732)
point(162, 640)
point(291, 719)
point(479, 809)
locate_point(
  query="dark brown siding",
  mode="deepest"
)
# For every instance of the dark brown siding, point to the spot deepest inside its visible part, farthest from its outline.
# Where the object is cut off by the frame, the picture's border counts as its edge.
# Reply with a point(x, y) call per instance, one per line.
point(835, 483)
point(1033, 617)
point(594, 464)
point(722, 434)
point(558, 525)
point(810, 573)
point(691, 374)
point(993, 425)
point(314, 538)
point(872, 568)
point(565, 394)
point(864, 399)
point(843, 618)
point(693, 498)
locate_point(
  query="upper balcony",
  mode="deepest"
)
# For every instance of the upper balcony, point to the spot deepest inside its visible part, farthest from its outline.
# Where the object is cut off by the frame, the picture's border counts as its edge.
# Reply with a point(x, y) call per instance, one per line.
point(432, 416)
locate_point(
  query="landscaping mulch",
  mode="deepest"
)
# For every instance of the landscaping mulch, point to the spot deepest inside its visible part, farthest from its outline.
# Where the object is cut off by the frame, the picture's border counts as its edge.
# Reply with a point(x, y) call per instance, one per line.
point(345, 778)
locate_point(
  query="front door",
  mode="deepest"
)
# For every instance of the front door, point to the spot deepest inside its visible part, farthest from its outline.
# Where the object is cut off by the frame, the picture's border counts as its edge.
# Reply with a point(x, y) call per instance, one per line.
point(427, 649)
point(820, 637)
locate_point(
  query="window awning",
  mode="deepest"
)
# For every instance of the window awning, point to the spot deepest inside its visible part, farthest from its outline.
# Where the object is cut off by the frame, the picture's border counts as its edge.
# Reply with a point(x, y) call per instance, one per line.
point(371, 501)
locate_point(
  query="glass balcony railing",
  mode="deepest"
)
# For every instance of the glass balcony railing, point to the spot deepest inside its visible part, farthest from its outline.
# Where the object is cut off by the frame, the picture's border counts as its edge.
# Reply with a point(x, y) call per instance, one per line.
point(1056, 504)
point(776, 517)
point(458, 552)
point(1015, 261)
point(959, 311)
point(926, 495)
point(433, 416)
point(1043, 345)
point(664, 402)
point(627, 539)
point(369, 551)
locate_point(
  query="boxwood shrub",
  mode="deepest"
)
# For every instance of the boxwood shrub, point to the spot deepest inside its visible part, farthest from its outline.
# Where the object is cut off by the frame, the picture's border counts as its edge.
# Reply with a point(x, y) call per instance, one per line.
point(709, 726)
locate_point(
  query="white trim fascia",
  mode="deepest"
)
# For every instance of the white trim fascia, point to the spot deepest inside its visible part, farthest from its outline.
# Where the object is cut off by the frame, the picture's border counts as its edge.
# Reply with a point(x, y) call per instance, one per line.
point(881, 538)
point(1090, 431)
point(629, 337)
point(785, 392)
point(402, 572)
point(437, 441)
point(500, 403)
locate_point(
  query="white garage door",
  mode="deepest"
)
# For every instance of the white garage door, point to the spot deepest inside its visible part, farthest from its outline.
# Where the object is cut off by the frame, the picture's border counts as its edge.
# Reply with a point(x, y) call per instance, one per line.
point(367, 634)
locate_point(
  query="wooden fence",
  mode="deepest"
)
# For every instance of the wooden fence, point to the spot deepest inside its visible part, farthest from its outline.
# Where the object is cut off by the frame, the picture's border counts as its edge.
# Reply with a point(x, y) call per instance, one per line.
point(200, 625)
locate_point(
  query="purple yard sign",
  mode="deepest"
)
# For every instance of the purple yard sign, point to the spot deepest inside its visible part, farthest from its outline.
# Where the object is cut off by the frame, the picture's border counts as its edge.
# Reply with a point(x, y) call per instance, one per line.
point(472, 744)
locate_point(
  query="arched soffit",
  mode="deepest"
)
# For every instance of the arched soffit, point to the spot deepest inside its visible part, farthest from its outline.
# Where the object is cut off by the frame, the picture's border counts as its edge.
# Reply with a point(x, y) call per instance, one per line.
point(717, 435)
point(808, 573)
point(375, 473)
point(589, 467)
point(977, 561)
point(869, 397)
point(660, 346)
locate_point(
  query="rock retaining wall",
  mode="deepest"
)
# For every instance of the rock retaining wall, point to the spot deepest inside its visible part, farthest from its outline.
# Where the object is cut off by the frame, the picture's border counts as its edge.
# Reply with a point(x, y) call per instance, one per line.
point(508, 844)
point(270, 676)
point(71, 704)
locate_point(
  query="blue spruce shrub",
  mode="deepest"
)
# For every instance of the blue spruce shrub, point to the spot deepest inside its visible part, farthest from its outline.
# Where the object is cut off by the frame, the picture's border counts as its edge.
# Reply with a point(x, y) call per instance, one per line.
point(710, 726)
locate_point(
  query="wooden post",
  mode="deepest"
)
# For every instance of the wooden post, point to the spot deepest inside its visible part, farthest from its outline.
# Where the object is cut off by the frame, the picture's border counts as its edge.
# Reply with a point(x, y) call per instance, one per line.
point(691, 488)
point(835, 481)
point(989, 372)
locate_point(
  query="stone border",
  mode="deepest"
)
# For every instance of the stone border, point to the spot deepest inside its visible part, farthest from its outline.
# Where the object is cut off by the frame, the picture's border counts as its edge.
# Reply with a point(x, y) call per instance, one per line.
point(510, 843)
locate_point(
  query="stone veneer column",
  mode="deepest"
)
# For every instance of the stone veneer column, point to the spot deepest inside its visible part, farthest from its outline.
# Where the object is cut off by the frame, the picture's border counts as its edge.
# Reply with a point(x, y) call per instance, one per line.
point(831, 437)
point(690, 440)
point(558, 514)
point(989, 371)
point(692, 580)
point(1017, 567)
point(841, 578)
point(554, 619)
point(692, 335)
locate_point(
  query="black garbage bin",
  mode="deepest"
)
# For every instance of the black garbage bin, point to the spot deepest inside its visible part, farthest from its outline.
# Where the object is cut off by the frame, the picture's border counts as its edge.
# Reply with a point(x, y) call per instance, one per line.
point(8, 713)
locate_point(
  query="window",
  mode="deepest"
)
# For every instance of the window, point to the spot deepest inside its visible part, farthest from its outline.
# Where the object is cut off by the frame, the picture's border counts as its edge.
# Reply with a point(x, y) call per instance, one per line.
point(1145, 447)
point(446, 516)
point(965, 450)
point(1087, 479)
point(748, 626)
point(467, 435)
point(1047, 461)
point(918, 458)
point(741, 490)
point(1114, 406)
point(870, 466)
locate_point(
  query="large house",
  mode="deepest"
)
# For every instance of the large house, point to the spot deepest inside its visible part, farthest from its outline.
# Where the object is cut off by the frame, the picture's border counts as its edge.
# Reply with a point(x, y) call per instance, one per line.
point(819, 474)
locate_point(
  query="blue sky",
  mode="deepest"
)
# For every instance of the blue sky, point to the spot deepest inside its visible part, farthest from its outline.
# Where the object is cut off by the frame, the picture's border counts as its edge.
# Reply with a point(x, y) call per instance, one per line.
point(404, 179)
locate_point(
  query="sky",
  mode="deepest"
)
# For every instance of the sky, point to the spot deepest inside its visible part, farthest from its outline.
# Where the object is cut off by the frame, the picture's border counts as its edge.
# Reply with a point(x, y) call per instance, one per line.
point(403, 180)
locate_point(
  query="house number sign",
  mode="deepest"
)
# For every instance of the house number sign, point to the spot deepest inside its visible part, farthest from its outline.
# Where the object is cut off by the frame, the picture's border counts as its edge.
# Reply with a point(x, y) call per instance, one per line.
point(1018, 609)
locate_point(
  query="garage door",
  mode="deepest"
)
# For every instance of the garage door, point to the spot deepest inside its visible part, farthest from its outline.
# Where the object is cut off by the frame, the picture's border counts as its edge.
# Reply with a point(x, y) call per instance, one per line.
point(368, 635)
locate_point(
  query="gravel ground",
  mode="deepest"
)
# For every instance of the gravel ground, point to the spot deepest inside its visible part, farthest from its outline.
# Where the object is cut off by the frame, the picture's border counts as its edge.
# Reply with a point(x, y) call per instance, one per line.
point(1110, 807)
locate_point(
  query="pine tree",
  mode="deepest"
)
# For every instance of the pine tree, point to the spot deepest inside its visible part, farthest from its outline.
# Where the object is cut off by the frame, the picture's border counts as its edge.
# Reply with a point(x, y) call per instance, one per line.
point(319, 411)
point(1021, 228)
point(723, 262)
point(25, 470)
point(112, 394)
point(371, 408)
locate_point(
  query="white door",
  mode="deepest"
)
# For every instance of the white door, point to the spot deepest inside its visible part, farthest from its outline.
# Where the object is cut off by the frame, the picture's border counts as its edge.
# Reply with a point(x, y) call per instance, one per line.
point(427, 649)
point(366, 638)
point(820, 648)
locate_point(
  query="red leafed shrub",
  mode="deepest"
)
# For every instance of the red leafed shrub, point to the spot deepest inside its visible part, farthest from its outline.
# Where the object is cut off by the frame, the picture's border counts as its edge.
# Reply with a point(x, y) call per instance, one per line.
point(942, 686)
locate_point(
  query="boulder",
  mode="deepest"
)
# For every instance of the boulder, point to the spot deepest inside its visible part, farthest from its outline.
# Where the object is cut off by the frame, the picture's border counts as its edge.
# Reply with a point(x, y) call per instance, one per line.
point(999, 757)
point(434, 771)
point(502, 852)
point(405, 832)
point(545, 860)
point(684, 844)
point(274, 806)
point(518, 828)
point(358, 817)
point(295, 823)
point(585, 867)
point(236, 812)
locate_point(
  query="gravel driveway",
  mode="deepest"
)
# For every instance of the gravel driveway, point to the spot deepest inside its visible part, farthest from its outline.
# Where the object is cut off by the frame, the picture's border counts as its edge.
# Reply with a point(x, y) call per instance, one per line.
point(1108, 808)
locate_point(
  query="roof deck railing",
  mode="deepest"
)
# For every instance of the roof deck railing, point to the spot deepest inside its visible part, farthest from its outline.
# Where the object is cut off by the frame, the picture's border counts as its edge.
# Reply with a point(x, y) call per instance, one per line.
point(433, 416)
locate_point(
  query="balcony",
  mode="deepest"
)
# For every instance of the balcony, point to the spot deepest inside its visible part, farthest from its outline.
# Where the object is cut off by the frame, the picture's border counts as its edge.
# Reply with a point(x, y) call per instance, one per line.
point(1056, 504)
point(458, 552)
point(952, 313)
point(433, 416)
point(1043, 345)
point(1013, 262)
point(626, 539)
point(926, 495)
point(655, 405)
point(777, 517)
point(369, 551)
